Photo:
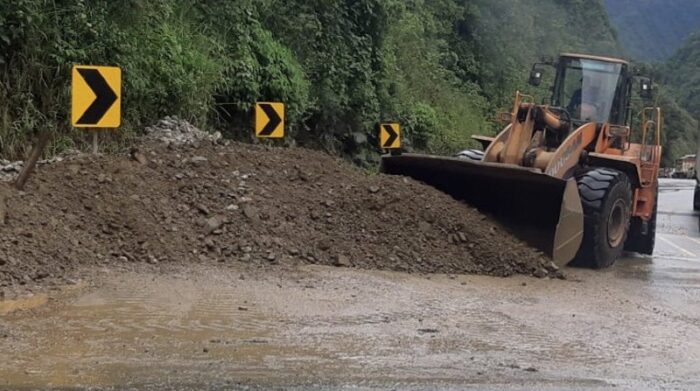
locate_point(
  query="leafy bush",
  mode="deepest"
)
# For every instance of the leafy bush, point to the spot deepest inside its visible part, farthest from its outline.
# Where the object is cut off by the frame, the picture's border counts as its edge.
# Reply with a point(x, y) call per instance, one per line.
point(255, 66)
point(341, 66)
point(40, 41)
point(419, 124)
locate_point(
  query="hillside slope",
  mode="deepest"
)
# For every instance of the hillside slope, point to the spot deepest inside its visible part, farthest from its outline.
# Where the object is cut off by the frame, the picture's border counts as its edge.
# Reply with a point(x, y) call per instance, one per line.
point(652, 30)
point(513, 34)
point(682, 73)
point(440, 67)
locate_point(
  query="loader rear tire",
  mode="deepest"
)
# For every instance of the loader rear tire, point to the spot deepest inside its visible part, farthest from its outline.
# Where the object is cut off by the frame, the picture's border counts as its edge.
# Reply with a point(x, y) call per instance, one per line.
point(606, 197)
point(639, 242)
point(471, 154)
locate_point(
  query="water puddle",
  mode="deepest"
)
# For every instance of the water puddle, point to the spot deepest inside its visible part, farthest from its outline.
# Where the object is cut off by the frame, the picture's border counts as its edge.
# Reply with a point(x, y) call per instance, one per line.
point(352, 327)
point(148, 329)
point(26, 303)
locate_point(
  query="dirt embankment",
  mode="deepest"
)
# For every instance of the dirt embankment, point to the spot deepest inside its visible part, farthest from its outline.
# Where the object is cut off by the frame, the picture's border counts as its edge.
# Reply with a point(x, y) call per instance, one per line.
point(210, 202)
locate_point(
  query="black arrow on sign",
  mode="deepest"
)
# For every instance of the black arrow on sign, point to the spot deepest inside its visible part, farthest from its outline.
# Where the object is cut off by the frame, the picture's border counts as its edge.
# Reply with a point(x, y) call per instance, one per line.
point(274, 118)
point(392, 136)
point(105, 97)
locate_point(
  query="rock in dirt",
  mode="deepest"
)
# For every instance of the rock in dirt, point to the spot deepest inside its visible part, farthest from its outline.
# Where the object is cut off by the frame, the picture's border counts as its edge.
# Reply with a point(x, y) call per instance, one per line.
point(198, 160)
point(214, 223)
point(251, 213)
point(341, 261)
point(138, 156)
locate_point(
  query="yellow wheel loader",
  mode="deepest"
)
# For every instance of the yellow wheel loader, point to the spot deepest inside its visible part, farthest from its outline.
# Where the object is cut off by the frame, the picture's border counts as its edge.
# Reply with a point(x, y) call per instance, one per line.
point(571, 177)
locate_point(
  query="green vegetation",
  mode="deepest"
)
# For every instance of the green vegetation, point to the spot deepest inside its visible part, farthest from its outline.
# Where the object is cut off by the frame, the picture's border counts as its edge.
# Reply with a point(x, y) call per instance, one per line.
point(441, 67)
point(655, 30)
point(340, 66)
point(513, 34)
point(652, 30)
point(679, 135)
point(681, 74)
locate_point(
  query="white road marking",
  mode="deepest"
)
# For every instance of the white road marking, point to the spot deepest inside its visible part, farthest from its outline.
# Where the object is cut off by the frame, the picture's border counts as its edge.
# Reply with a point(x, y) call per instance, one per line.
point(694, 240)
point(677, 247)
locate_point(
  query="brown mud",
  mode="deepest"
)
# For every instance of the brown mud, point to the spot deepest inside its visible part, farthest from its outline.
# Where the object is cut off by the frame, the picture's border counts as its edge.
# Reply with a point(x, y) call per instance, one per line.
point(238, 327)
point(208, 202)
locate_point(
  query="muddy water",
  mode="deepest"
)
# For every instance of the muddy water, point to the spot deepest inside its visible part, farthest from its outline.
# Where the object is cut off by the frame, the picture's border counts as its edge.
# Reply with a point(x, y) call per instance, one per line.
point(125, 330)
point(337, 327)
point(634, 326)
point(23, 303)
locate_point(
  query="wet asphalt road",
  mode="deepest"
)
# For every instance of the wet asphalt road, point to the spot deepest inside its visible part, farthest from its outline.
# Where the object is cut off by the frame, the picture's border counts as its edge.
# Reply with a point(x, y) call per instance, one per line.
point(634, 326)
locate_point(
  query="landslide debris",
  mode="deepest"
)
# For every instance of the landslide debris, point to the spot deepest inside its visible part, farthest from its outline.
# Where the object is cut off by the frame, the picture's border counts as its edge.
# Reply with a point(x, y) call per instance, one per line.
point(203, 201)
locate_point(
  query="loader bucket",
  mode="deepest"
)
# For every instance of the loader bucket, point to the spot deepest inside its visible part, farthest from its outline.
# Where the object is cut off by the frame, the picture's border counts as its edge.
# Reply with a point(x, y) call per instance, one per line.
point(542, 210)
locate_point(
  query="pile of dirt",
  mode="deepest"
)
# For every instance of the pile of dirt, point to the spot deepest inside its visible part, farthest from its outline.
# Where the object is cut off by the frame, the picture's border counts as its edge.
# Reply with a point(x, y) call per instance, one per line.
point(209, 202)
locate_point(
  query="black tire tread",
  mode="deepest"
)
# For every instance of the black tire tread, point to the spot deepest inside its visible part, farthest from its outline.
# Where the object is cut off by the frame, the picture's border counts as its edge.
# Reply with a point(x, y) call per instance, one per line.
point(594, 188)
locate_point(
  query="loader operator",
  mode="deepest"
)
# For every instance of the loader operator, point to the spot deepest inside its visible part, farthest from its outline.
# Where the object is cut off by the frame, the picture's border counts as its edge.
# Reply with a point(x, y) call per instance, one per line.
point(585, 106)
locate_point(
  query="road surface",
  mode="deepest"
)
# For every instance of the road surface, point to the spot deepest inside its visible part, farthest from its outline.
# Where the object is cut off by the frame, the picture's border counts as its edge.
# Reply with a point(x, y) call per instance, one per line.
point(634, 326)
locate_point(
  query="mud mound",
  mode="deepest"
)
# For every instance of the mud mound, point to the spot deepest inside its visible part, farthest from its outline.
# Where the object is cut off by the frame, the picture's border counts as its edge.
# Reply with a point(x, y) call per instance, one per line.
point(256, 204)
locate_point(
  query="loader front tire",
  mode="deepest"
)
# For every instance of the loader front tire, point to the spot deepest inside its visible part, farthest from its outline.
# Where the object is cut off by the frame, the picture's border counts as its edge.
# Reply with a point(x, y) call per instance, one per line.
point(606, 197)
point(471, 154)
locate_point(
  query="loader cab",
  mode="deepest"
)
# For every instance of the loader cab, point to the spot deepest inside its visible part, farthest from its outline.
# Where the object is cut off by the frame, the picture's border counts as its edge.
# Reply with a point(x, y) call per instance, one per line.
point(592, 89)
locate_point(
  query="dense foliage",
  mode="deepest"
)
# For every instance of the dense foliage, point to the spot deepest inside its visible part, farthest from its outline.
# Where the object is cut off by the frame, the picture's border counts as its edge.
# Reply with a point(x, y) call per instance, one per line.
point(340, 66)
point(440, 67)
point(655, 30)
point(682, 72)
point(680, 131)
point(682, 76)
point(513, 34)
point(652, 30)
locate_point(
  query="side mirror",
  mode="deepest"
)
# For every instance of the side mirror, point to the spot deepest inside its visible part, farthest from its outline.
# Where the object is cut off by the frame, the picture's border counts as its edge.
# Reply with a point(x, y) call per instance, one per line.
point(535, 76)
point(646, 88)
